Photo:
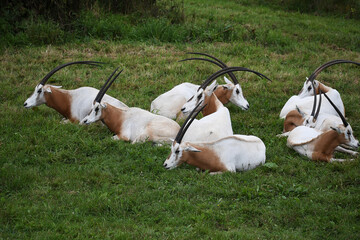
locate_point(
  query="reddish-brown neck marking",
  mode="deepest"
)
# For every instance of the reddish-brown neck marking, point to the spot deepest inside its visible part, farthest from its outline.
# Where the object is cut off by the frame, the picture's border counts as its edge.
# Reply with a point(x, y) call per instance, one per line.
point(326, 144)
point(292, 120)
point(60, 100)
point(207, 159)
point(323, 88)
point(223, 94)
point(112, 118)
point(212, 104)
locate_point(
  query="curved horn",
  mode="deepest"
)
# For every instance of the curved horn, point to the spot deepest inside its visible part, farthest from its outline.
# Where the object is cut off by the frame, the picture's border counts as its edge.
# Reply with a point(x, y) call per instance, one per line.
point(46, 78)
point(224, 71)
point(314, 103)
point(337, 110)
point(328, 64)
point(318, 109)
point(106, 86)
point(203, 59)
point(190, 119)
point(186, 120)
point(222, 64)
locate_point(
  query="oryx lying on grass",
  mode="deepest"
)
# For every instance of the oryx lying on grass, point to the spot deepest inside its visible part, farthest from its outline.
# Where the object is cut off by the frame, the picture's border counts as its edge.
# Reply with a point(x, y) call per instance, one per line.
point(200, 93)
point(75, 104)
point(232, 153)
point(323, 122)
point(130, 124)
point(170, 103)
point(320, 145)
point(305, 100)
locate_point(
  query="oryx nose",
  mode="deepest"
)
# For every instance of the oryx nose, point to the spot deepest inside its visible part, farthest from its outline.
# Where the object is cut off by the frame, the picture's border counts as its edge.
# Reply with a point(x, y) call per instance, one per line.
point(85, 121)
point(25, 104)
point(183, 109)
point(165, 165)
point(247, 106)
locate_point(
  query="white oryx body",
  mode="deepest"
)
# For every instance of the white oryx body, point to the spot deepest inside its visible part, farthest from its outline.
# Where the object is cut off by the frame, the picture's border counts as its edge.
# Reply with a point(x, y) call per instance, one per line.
point(232, 153)
point(169, 104)
point(319, 146)
point(215, 124)
point(133, 124)
point(306, 104)
point(130, 124)
point(74, 104)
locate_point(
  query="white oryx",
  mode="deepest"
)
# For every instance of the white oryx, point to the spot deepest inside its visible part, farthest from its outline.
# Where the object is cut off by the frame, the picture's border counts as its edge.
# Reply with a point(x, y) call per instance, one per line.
point(131, 124)
point(305, 98)
point(323, 122)
point(216, 122)
point(232, 153)
point(320, 146)
point(169, 104)
point(74, 104)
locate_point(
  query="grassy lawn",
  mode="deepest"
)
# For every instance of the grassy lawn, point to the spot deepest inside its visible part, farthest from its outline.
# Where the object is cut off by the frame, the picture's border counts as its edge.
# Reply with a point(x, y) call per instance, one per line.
point(66, 181)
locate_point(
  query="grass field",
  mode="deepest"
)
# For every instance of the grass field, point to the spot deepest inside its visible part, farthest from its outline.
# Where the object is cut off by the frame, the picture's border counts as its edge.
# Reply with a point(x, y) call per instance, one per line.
point(66, 181)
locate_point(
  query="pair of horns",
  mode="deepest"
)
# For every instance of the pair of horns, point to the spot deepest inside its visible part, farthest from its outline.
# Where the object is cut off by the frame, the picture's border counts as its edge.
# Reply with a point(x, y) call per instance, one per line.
point(338, 111)
point(224, 71)
point(188, 122)
point(46, 78)
point(328, 64)
point(221, 64)
point(314, 106)
point(107, 85)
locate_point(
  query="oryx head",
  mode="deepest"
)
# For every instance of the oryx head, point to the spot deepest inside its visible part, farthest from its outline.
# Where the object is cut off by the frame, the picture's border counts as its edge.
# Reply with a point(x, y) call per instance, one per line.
point(236, 94)
point(38, 98)
point(178, 149)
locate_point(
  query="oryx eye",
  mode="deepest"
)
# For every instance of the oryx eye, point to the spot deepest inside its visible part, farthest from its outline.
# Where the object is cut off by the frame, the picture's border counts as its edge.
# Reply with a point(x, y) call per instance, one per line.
point(348, 133)
point(309, 88)
point(237, 91)
point(96, 110)
point(39, 91)
point(177, 151)
point(190, 99)
point(199, 97)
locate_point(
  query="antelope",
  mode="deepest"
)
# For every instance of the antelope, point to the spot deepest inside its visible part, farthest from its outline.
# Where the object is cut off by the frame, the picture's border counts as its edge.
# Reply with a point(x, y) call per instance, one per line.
point(322, 122)
point(74, 104)
point(170, 103)
point(320, 146)
point(216, 122)
point(232, 153)
point(200, 93)
point(130, 124)
point(304, 99)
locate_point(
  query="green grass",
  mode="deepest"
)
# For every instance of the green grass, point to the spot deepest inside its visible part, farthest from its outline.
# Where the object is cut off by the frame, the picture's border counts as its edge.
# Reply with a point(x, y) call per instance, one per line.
point(65, 181)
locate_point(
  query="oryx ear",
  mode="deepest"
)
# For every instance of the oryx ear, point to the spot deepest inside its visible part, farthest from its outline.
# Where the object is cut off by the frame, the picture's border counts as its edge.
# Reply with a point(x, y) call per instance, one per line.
point(228, 81)
point(48, 90)
point(213, 86)
point(336, 129)
point(190, 148)
point(299, 111)
point(171, 139)
point(56, 86)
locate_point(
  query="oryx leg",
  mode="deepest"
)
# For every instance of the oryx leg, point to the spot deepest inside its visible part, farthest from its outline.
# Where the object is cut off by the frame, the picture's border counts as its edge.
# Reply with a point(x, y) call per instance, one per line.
point(344, 150)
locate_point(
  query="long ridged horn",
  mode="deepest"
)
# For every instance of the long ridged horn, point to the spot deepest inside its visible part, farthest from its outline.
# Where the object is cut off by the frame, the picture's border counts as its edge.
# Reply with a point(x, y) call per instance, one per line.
point(190, 119)
point(46, 78)
point(186, 120)
point(314, 103)
point(328, 64)
point(224, 71)
point(338, 111)
point(318, 109)
point(106, 86)
point(222, 64)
